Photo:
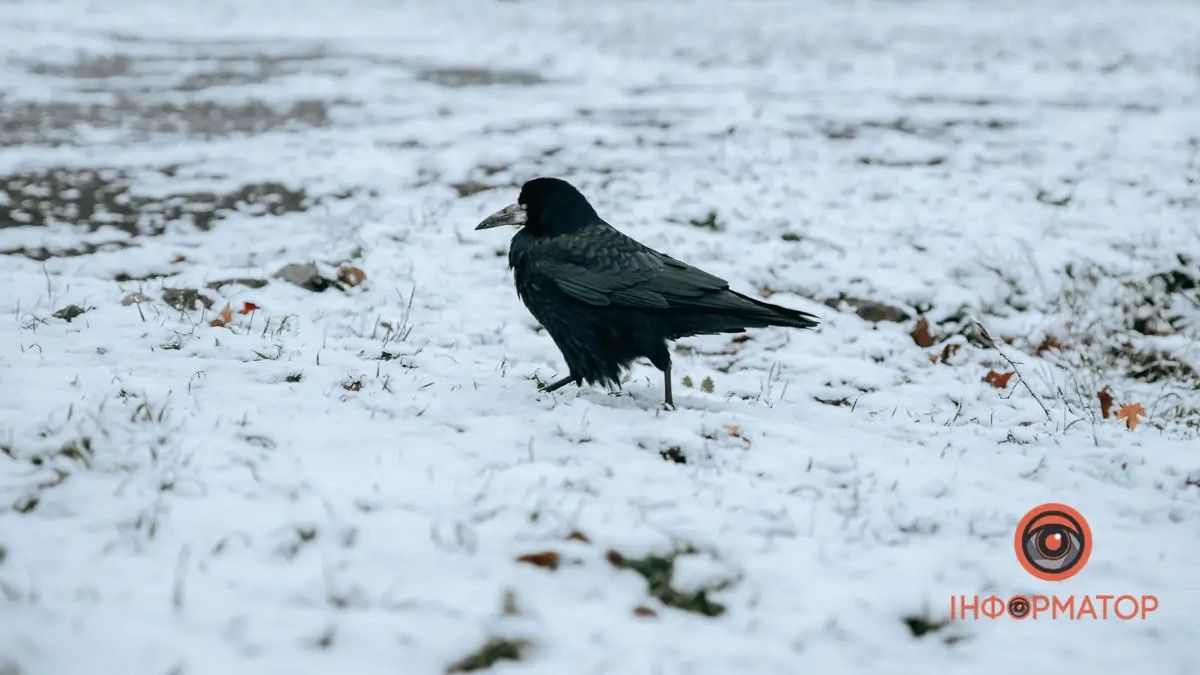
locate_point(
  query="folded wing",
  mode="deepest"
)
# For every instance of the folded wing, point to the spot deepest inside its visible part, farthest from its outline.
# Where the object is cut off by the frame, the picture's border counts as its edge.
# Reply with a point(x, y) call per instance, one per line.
point(609, 269)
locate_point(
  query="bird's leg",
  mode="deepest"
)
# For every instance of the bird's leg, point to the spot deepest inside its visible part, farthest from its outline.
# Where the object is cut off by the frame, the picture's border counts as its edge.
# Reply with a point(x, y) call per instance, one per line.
point(558, 384)
point(670, 402)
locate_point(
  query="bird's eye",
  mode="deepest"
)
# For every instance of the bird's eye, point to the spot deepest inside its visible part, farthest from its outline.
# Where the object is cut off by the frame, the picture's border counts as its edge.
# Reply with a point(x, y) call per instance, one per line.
point(1053, 542)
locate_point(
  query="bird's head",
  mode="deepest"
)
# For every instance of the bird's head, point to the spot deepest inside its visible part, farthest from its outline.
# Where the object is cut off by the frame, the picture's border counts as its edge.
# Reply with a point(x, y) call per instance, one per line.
point(546, 206)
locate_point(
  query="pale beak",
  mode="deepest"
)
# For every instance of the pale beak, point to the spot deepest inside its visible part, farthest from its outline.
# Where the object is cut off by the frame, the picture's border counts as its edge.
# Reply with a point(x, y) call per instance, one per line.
point(513, 214)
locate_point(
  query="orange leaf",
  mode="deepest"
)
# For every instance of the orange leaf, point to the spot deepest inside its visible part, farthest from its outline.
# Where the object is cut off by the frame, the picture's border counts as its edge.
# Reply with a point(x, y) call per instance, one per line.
point(1131, 412)
point(1106, 402)
point(733, 430)
point(247, 307)
point(548, 559)
point(351, 276)
point(1050, 343)
point(921, 334)
point(223, 317)
point(998, 380)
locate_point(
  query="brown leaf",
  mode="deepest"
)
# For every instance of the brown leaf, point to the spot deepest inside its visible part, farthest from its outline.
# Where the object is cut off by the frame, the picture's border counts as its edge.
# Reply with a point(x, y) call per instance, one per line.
point(998, 380)
point(351, 276)
point(921, 334)
point(1106, 402)
point(615, 559)
point(178, 259)
point(579, 536)
point(1131, 412)
point(247, 307)
point(223, 317)
point(948, 351)
point(1050, 343)
point(642, 610)
point(547, 559)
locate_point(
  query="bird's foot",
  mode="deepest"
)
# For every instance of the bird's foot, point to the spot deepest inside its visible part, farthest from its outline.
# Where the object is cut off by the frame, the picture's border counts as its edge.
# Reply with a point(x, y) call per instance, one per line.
point(669, 406)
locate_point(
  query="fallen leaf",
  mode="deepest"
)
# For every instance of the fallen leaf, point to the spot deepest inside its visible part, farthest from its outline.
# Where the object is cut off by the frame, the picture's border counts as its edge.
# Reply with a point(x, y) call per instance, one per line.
point(948, 351)
point(223, 317)
point(921, 334)
point(1131, 412)
point(733, 430)
point(741, 338)
point(547, 559)
point(351, 276)
point(178, 259)
point(687, 381)
point(998, 380)
point(247, 307)
point(579, 536)
point(1106, 402)
point(1050, 343)
point(707, 385)
point(642, 610)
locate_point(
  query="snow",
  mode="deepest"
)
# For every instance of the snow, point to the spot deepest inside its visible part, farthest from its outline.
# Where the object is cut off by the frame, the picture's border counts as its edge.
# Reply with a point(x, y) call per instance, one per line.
point(171, 501)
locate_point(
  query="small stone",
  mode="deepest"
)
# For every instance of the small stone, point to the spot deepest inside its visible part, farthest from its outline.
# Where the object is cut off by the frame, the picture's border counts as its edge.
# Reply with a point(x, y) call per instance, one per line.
point(69, 312)
point(185, 299)
point(304, 275)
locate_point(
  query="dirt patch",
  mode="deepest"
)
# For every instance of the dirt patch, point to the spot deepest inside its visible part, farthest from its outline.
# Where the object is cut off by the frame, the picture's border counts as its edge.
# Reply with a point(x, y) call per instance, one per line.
point(901, 163)
point(478, 77)
point(60, 122)
point(930, 129)
point(85, 66)
point(95, 198)
point(194, 70)
point(40, 253)
point(249, 69)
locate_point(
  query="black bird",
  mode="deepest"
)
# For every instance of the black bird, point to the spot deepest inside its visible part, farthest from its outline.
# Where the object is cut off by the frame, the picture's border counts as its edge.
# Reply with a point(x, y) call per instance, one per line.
point(606, 299)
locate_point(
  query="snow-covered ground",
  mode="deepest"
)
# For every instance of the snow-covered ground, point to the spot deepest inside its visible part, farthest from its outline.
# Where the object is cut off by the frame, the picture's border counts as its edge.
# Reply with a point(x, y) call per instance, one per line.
point(343, 481)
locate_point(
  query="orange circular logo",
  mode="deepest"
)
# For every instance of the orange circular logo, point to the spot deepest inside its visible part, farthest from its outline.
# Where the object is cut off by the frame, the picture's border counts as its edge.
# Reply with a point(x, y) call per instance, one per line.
point(1053, 542)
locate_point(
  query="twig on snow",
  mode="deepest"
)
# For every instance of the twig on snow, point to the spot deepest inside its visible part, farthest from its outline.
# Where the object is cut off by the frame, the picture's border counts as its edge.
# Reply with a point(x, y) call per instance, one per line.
point(1021, 378)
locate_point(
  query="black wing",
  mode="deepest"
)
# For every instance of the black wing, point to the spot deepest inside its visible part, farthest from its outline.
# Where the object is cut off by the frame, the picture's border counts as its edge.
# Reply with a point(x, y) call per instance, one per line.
point(601, 267)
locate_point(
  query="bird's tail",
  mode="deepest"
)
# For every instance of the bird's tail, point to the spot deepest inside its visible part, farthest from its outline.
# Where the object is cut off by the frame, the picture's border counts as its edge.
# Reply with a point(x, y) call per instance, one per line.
point(732, 312)
point(778, 316)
